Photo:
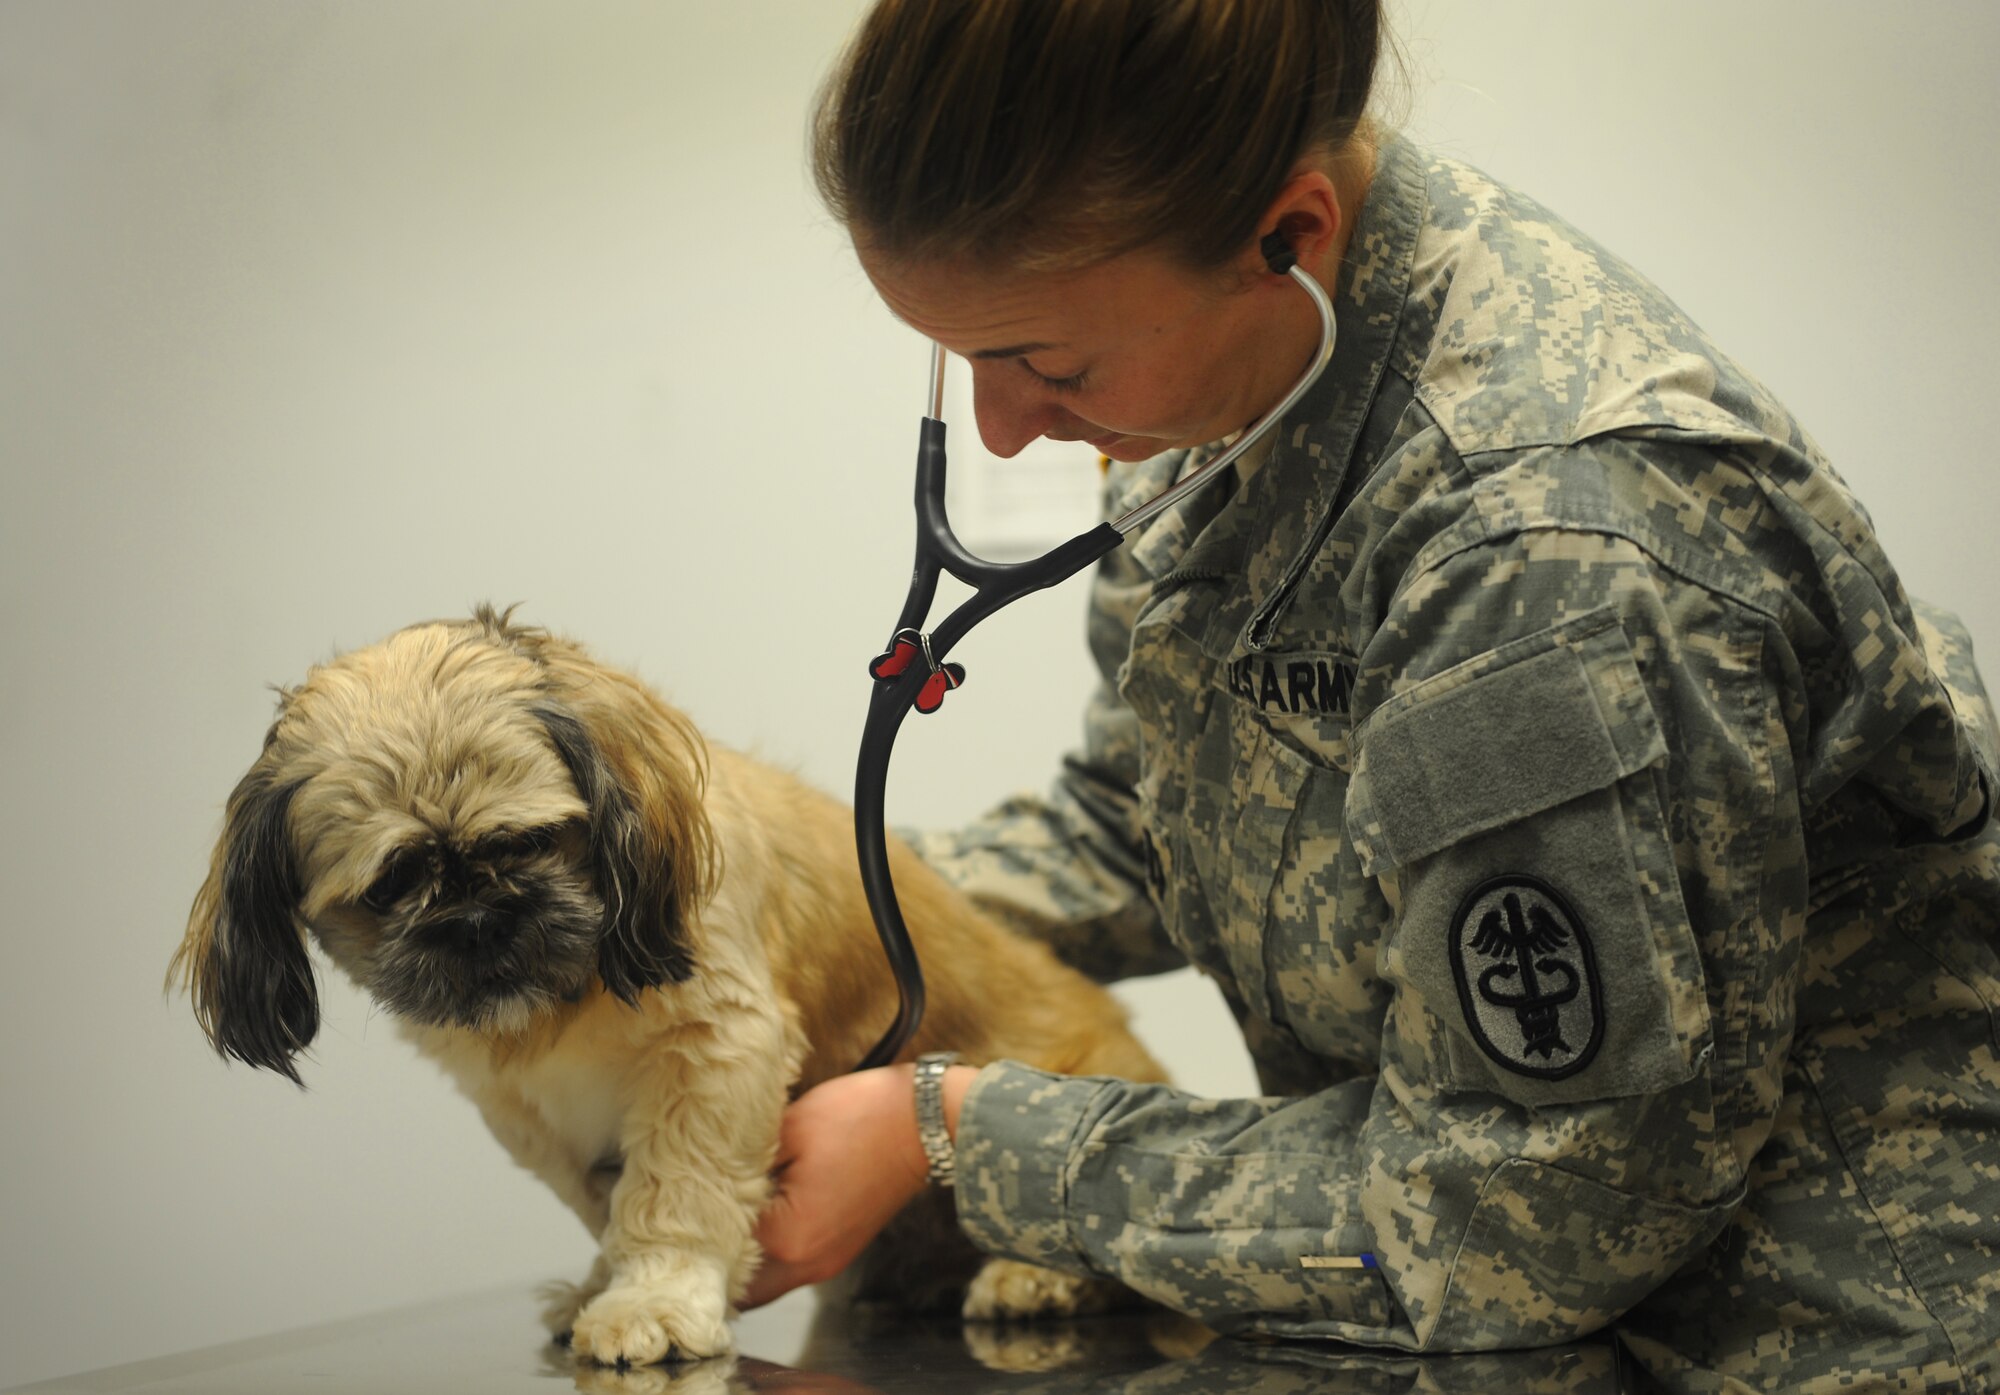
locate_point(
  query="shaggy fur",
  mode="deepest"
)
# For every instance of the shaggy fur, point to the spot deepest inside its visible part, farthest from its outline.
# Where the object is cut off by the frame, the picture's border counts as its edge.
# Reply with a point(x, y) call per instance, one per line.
point(628, 948)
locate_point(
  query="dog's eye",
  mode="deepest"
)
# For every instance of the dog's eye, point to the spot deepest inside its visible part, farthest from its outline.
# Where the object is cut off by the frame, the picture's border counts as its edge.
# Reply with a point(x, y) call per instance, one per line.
point(398, 879)
point(526, 843)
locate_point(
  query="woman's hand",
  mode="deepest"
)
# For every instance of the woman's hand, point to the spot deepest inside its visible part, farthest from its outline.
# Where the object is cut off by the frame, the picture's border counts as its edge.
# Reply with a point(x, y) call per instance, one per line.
point(848, 1161)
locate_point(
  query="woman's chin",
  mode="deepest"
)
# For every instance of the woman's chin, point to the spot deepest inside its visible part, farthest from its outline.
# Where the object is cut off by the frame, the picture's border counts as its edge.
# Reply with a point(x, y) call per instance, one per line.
point(1126, 448)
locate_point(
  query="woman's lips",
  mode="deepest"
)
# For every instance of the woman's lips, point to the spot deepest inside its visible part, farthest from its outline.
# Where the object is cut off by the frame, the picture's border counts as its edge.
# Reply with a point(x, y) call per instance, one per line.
point(1101, 443)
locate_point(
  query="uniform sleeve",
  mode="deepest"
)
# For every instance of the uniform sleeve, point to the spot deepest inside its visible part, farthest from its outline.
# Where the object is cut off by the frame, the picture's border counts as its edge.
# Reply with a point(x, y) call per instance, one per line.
point(1068, 867)
point(1572, 809)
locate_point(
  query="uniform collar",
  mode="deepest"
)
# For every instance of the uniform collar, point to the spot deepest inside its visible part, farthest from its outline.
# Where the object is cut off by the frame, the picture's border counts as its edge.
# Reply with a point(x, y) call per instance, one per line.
point(1294, 498)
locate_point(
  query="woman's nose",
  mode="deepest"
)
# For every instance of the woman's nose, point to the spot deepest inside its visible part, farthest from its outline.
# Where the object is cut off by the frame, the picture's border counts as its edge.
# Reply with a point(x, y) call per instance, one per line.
point(1010, 408)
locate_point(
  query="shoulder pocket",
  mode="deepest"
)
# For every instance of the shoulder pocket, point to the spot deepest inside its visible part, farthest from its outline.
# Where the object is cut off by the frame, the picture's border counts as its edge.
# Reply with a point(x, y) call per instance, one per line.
point(1510, 808)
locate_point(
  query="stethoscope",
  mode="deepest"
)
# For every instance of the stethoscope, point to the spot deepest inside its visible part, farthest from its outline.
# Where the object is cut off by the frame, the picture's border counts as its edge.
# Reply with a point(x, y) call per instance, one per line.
point(913, 671)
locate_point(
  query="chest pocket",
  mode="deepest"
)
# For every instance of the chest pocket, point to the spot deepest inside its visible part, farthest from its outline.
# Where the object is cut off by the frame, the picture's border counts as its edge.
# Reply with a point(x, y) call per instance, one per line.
point(1511, 810)
point(1216, 796)
point(1243, 800)
point(1241, 797)
point(1167, 684)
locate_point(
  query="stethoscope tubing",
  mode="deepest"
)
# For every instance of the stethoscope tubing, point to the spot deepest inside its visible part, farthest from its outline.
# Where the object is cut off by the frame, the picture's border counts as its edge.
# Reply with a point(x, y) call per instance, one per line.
point(995, 585)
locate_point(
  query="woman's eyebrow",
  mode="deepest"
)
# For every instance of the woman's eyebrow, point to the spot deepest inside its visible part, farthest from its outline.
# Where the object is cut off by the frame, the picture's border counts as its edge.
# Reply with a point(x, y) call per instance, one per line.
point(1012, 351)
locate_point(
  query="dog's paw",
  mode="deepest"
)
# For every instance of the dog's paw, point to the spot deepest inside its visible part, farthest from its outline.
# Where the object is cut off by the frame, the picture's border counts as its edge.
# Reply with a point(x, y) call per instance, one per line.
point(1006, 1290)
point(678, 1316)
point(1020, 1349)
point(561, 1302)
point(707, 1378)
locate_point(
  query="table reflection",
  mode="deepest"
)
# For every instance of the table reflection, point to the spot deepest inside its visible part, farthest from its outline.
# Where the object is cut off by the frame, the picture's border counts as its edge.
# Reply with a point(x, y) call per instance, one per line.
point(492, 1344)
point(848, 1351)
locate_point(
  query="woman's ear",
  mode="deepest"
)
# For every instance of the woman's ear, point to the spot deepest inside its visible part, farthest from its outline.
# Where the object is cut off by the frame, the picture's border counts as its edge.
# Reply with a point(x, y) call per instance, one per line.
point(1307, 215)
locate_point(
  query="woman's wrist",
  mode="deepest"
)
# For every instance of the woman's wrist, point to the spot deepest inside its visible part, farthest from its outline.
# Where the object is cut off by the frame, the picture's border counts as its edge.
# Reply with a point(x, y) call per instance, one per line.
point(910, 1144)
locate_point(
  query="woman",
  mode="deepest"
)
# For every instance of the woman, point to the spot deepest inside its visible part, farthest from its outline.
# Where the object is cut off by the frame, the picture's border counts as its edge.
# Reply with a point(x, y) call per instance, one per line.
point(1592, 839)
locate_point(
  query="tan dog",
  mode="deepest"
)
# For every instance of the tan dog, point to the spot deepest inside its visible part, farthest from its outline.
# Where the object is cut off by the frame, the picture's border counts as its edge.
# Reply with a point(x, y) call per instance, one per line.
point(628, 949)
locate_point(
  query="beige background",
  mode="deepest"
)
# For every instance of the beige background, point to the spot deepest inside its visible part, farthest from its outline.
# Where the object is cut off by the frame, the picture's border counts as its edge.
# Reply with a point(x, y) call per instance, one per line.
point(316, 319)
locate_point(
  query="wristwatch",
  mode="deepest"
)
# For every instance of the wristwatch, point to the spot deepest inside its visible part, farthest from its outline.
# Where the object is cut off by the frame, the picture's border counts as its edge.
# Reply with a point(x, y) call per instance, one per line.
point(931, 1131)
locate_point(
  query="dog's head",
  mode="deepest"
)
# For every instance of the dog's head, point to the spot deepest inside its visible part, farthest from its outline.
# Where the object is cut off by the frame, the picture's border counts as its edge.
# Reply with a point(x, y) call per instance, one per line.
point(474, 820)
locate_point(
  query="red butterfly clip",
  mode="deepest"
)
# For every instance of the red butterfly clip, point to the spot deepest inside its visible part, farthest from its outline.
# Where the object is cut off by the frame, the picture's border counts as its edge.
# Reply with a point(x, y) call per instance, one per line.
point(904, 648)
point(941, 681)
point(893, 660)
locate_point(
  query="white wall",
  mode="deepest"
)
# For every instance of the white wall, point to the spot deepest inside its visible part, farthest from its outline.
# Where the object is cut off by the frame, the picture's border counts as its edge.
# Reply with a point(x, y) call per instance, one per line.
point(319, 318)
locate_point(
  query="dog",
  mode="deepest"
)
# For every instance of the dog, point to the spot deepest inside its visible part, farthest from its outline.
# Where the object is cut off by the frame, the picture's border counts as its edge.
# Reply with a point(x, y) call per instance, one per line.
point(627, 946)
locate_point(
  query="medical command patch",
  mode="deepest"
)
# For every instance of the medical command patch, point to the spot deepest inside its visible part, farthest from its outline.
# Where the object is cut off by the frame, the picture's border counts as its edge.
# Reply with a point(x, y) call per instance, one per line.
point(1527, 977)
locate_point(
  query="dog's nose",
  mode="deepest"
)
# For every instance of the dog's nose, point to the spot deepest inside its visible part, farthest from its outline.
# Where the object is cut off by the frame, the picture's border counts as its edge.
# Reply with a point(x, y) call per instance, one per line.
point(477, 930)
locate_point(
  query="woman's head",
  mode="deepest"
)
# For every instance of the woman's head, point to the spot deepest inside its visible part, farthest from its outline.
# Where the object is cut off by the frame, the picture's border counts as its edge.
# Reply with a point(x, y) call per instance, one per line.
point(1070, 194)
point(1050, 134)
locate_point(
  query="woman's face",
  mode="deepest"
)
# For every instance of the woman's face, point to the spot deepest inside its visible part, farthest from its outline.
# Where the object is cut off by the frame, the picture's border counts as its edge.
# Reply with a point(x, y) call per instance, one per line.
point(1135, 355)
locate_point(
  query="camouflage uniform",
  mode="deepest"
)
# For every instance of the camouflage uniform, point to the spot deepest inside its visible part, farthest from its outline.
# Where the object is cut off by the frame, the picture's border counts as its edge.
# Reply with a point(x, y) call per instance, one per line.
point(1589, 834)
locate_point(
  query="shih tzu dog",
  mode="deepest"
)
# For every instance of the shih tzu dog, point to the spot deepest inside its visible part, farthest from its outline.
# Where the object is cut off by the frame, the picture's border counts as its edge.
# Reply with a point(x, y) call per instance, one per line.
point(627, 947)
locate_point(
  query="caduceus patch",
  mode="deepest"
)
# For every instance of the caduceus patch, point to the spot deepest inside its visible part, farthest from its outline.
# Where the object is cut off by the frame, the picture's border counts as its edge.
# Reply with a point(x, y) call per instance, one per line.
point(1527, 977)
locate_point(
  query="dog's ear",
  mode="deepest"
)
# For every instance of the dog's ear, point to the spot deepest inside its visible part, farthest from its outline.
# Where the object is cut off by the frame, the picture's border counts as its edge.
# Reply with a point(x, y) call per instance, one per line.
point(244, 957)
point(651, 846)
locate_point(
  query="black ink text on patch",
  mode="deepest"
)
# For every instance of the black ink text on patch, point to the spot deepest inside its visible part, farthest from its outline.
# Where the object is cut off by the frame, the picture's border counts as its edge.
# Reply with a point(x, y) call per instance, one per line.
point(1292, 684)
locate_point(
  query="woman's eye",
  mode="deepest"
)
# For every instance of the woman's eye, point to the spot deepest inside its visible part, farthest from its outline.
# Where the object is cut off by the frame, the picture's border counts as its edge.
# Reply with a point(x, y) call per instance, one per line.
point(1073, 383)
point(398, 879)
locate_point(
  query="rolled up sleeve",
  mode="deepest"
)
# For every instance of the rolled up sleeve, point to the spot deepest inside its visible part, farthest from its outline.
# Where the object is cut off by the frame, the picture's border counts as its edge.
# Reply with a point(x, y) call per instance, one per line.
point(1229, 1210)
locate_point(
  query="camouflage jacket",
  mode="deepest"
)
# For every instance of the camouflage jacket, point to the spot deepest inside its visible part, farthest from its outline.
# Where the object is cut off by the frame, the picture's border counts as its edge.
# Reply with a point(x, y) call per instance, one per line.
point(1534, 750)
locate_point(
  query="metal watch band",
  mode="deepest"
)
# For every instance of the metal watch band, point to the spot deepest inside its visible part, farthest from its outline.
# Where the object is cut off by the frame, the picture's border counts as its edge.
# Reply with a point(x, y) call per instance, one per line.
point(931, 1131)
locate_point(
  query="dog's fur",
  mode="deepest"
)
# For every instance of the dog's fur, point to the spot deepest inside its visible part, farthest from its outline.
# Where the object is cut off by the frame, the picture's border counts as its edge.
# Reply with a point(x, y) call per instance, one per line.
point(627, 947)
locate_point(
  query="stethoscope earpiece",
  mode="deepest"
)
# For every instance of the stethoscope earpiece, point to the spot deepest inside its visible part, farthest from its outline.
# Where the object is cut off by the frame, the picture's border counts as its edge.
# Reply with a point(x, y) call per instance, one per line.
point(1278, 253)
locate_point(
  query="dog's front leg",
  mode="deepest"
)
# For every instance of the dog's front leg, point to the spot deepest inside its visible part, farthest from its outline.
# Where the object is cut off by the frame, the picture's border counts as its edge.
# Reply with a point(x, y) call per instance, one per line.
point(698, 1151)
point(584, 1188)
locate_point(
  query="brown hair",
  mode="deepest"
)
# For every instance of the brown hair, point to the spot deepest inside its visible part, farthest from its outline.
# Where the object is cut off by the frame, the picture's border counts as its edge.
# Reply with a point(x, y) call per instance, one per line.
point(1056, 133)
